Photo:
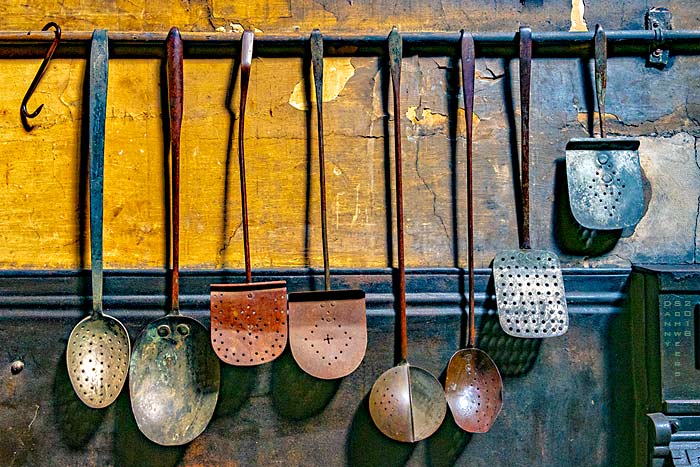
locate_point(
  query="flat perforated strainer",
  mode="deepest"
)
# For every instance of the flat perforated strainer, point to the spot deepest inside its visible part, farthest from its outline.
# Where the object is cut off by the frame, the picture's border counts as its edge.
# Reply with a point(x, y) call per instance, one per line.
point(327, 329)
point(98, 349)
point(473, 384)
point(248, 321)
point(604, 175)
point(528, 283)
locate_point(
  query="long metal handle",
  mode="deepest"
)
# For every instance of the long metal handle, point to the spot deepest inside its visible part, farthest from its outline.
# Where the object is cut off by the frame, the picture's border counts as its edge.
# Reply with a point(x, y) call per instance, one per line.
point(317, 63)
point(395, 54)
point(525, 73)
point(175, 96)
point(99, 66)
point(468, 67)
point(601, 73)
point(246, 62)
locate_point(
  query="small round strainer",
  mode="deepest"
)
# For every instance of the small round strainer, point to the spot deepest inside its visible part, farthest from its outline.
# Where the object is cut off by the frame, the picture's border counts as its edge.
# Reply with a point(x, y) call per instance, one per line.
point(98, 347)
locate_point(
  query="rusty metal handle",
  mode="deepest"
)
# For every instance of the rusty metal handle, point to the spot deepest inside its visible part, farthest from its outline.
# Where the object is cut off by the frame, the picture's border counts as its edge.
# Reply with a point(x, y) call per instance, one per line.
point(24, 114)
point(317, 63)
point(97, 101)
point(525, 73)
point(175, 96)
point(395, 55)
point(246, 62)
point(468, 67)
point(601, 72)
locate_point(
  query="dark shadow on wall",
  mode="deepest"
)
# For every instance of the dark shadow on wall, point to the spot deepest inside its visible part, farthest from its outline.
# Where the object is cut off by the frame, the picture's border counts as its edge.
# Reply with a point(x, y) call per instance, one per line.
point(297, 395)
point(366, 446)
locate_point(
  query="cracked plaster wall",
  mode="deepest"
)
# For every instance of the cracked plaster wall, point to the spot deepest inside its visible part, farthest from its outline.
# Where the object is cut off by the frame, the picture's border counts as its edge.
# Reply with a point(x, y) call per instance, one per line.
point(40, 222)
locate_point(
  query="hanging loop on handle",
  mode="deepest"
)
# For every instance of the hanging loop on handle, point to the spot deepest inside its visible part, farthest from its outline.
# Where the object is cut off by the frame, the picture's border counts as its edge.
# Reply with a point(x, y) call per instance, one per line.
point(601, 73)
point(246, 63)
point(175, 95)
point(525, 73)
point(468, 67)
point(317, 63)
point(395, 55)
point(24, 114)
point(97, 101)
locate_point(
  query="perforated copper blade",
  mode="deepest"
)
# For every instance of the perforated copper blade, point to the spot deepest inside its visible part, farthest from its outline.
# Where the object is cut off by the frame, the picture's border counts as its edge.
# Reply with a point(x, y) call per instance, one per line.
point(530, 293)
point(605, 182)
point(474, 390)
point(173, 380)
point(328, 331)
point(407, 403)
point(249, 322)
point(97, 358)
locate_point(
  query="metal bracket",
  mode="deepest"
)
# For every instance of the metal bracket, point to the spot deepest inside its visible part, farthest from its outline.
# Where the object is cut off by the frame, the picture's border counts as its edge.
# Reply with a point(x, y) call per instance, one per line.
point(658, 19)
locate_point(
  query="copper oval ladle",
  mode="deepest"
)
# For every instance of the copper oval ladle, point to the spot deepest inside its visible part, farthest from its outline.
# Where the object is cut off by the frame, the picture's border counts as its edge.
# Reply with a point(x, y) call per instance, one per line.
point(473, 384)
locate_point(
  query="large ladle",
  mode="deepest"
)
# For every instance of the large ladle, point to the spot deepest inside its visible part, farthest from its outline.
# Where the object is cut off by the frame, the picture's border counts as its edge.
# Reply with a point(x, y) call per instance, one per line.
point(473, 383)
point(98, 349)
point(174, 374)
point(406, 403)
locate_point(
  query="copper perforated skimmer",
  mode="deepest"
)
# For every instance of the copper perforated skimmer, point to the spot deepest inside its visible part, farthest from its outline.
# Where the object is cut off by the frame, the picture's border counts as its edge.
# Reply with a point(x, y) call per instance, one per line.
point(328, 328)
point(473, 384)
point(406, 403)
point(603, 174)
point(528, 283)
point(98, 349)
point(174, 375)
point(248, 321)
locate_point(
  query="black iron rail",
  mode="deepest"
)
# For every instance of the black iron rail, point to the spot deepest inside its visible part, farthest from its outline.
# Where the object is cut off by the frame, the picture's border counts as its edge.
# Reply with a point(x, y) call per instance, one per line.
point(216, 45)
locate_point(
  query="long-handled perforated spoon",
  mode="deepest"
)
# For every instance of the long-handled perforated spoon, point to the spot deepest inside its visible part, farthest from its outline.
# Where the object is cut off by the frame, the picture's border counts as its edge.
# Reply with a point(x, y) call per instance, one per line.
point(98, 347)
point(407, 403)
point(473, 383)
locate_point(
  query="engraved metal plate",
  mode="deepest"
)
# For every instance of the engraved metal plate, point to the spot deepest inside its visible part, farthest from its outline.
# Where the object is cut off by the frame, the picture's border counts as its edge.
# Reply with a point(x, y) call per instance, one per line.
point(530, 293)
point(249, 322)
point(328, 331)
point(605, 182)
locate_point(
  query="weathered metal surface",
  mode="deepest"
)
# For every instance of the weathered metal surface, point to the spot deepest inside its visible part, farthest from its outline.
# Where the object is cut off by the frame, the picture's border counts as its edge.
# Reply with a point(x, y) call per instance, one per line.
point(98, 349)
point(328, 331)
point(530, 293)
point(174, 374)
point(249, 322)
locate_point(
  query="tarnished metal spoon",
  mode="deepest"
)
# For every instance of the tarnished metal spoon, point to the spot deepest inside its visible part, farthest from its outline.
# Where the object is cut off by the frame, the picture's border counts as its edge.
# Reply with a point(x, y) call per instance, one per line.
point(174, 374)
point(473, 383)
point(407, 403)
point(98, 349)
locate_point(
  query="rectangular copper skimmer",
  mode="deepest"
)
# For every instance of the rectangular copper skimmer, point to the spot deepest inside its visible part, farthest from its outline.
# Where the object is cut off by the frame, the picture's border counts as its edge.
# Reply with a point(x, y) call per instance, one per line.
point(327, 329)
point(248, 321)
point(528, 283)
point(604, 175)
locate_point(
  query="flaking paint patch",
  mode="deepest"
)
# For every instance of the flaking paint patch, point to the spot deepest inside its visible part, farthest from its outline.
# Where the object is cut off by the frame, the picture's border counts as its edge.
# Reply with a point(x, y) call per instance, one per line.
point(582, 118)
point(578, 22)
point(336, 74)
point(437, 121)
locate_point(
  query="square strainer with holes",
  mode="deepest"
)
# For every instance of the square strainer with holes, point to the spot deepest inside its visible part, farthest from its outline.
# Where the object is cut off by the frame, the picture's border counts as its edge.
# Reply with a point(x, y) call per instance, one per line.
point(530, 293)
point(604, 179)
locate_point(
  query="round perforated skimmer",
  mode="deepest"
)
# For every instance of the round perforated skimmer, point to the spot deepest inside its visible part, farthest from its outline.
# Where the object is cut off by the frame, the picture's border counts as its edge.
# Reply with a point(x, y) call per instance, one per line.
point(530, 293)
point(249, 322)
point(97, 358)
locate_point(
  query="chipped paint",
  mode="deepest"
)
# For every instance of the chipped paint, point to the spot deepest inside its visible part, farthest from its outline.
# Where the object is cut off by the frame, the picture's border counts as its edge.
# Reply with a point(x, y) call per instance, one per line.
point(336, 74)
point(430, 120)
point(578, 22)
point(582, 118)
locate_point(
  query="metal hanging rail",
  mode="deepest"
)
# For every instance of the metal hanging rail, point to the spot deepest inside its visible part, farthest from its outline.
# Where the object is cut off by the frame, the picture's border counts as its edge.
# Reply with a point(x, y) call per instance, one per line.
point(216, 45)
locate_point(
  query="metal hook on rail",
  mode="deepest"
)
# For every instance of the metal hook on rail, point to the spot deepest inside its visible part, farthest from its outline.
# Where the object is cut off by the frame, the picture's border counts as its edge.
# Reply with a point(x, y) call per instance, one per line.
point(24, 114)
